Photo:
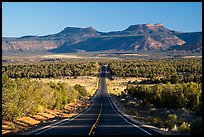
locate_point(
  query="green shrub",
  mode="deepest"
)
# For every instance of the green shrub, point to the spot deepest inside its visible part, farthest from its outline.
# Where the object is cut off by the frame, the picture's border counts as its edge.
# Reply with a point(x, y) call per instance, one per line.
point(81, 89)
point(172, 117)
point(184, 128)
point(73, 95)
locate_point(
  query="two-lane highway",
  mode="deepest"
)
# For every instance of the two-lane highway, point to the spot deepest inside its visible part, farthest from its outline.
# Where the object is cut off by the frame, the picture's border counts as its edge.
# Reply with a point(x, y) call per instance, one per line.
point(101, 118)
point(111, 121)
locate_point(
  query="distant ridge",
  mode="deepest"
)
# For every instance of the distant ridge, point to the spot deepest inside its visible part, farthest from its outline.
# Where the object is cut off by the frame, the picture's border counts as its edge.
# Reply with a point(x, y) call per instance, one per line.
point(139, 37)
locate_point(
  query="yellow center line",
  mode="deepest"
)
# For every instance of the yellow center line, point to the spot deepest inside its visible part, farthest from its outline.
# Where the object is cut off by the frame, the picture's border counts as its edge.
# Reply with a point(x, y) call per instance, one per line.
point(94, 125)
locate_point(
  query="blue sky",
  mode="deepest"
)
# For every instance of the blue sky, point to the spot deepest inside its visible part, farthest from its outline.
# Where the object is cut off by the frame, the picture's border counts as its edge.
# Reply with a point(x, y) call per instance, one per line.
point(42, 18)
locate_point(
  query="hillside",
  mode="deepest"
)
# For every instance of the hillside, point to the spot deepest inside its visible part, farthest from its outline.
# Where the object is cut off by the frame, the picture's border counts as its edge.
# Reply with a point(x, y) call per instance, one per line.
point(142, 37)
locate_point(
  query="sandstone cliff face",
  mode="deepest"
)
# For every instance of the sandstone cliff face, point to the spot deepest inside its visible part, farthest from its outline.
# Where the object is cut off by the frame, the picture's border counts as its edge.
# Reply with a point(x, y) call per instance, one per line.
point(156, 43)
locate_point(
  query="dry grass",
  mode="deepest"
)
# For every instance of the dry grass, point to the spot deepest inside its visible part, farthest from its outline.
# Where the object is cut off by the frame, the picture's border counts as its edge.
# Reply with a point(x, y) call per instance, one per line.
point(91, 83)
point(118, 85)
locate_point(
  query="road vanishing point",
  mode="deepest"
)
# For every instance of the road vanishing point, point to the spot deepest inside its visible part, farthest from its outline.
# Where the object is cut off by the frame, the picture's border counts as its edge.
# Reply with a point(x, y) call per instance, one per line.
point(101, 118)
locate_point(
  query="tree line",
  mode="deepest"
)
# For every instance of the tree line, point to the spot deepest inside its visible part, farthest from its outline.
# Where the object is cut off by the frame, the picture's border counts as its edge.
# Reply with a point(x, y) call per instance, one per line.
point(50, 69)
point(160, 71)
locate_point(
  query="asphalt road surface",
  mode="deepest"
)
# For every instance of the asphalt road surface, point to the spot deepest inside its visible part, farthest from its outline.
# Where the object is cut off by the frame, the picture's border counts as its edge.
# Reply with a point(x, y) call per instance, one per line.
point(101, 118)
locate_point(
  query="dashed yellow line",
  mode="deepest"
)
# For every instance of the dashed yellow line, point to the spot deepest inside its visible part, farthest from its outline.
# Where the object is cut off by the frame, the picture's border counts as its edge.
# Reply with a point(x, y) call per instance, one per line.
point(96, 122)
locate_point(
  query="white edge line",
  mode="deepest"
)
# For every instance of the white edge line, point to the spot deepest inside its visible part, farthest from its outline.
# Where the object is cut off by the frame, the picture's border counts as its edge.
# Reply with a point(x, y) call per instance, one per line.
point(120, 114)
point(123, 117)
